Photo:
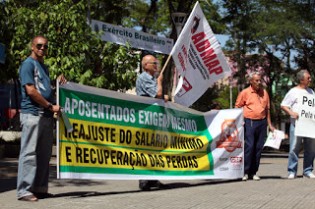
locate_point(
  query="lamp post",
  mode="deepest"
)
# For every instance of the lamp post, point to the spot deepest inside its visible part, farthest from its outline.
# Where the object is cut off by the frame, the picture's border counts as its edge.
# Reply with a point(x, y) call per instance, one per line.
point(231, 91)
point(179, 19)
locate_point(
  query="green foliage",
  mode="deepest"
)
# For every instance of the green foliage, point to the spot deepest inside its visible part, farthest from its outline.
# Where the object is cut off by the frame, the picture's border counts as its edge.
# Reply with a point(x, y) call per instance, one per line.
point(120, 66)
point(74, 49)
point(272, 27)
point(215, 20)
point(224, 97)
point(216, 97)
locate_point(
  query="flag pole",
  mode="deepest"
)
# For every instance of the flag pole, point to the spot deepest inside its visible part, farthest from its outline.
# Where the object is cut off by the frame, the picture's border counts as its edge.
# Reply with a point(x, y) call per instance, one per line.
point(166, 63)
point(178, 19)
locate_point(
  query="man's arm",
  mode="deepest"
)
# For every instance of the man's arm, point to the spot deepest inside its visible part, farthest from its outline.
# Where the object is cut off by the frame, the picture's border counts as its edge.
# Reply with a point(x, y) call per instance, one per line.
point(269, 121)
point(32, 92)
point(159, 93)
point(268, 113)
point(290, 112)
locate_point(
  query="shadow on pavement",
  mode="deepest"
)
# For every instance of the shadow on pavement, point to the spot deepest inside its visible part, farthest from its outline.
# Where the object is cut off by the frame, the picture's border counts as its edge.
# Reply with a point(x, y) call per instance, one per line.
point(165, 186)
point(7, 184)
point(8, 174)
point(8, 178)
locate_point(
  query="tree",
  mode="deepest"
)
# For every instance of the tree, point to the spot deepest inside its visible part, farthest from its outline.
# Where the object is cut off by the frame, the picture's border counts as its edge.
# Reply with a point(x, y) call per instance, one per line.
point(74, 49)
point(239, 16)
point(269, 28)
point(305, 40)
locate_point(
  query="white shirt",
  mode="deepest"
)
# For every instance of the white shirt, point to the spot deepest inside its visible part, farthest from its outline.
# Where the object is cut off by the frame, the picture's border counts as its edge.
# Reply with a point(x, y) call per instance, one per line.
point(291, 99)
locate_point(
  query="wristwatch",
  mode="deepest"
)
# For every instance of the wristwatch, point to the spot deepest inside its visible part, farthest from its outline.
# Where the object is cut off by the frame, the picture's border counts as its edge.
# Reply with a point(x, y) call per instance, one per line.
point(50, 106)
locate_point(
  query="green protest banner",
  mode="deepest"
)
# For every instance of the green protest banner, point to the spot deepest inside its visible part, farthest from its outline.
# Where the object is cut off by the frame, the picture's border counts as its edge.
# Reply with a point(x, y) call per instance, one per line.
point(120, 136)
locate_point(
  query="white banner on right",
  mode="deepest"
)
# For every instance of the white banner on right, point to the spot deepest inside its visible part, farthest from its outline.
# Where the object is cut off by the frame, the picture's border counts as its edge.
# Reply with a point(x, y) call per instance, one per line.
point(305, 124)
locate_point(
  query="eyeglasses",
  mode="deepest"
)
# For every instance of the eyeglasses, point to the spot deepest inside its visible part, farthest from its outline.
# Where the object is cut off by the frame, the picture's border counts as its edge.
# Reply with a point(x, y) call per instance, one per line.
point(39, 46)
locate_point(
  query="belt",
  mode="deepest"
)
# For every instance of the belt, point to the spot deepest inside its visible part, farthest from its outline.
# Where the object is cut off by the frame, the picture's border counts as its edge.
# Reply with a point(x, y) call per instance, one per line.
point(255, 119)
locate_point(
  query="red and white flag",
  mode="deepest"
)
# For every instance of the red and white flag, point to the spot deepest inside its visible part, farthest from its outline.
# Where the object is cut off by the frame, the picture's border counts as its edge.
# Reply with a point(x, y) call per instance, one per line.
point(198, 58)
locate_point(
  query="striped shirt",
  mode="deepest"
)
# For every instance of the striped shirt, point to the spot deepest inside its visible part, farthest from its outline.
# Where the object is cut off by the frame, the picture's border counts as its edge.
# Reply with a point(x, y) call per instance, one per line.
point(146, 85)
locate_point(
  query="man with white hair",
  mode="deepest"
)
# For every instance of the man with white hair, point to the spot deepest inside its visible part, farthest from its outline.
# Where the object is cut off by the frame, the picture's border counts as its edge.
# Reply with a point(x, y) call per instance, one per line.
point(149, 84)
point(290, 105)
point(256, 104)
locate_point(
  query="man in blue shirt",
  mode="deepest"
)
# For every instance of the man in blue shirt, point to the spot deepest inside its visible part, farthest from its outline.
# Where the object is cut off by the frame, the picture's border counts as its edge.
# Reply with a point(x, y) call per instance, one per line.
point(37, 110)
point(149, 84)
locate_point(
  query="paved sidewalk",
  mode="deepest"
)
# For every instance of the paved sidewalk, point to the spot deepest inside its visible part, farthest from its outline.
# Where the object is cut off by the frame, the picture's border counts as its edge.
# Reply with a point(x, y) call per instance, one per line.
point(272, 191)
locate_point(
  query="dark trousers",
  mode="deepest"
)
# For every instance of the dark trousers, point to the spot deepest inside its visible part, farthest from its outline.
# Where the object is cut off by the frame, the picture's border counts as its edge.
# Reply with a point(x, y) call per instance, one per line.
point(255, 136)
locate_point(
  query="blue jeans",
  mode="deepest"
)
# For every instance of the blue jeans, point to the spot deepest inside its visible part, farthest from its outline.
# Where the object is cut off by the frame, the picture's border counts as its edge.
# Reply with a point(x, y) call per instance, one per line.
point(309, 151)
point(36, 148)
point(255, 136)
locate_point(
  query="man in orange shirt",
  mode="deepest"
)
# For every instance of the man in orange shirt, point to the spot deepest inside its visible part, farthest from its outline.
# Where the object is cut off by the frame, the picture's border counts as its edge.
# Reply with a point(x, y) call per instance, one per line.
point(255, 103)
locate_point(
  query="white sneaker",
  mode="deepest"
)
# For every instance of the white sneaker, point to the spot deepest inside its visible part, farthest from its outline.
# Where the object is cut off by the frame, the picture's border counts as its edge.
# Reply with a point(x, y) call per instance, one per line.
point(309, 175)
point(256, 178)
point(291, 176)
point(245, 177)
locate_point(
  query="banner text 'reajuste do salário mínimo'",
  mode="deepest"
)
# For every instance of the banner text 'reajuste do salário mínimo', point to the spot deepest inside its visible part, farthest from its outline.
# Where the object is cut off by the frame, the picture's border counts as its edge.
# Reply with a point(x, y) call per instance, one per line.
point(121, 136)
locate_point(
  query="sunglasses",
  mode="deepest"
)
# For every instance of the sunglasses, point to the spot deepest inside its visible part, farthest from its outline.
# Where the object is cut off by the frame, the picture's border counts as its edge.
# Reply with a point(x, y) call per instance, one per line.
point(39, 46)
point(153, 63)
